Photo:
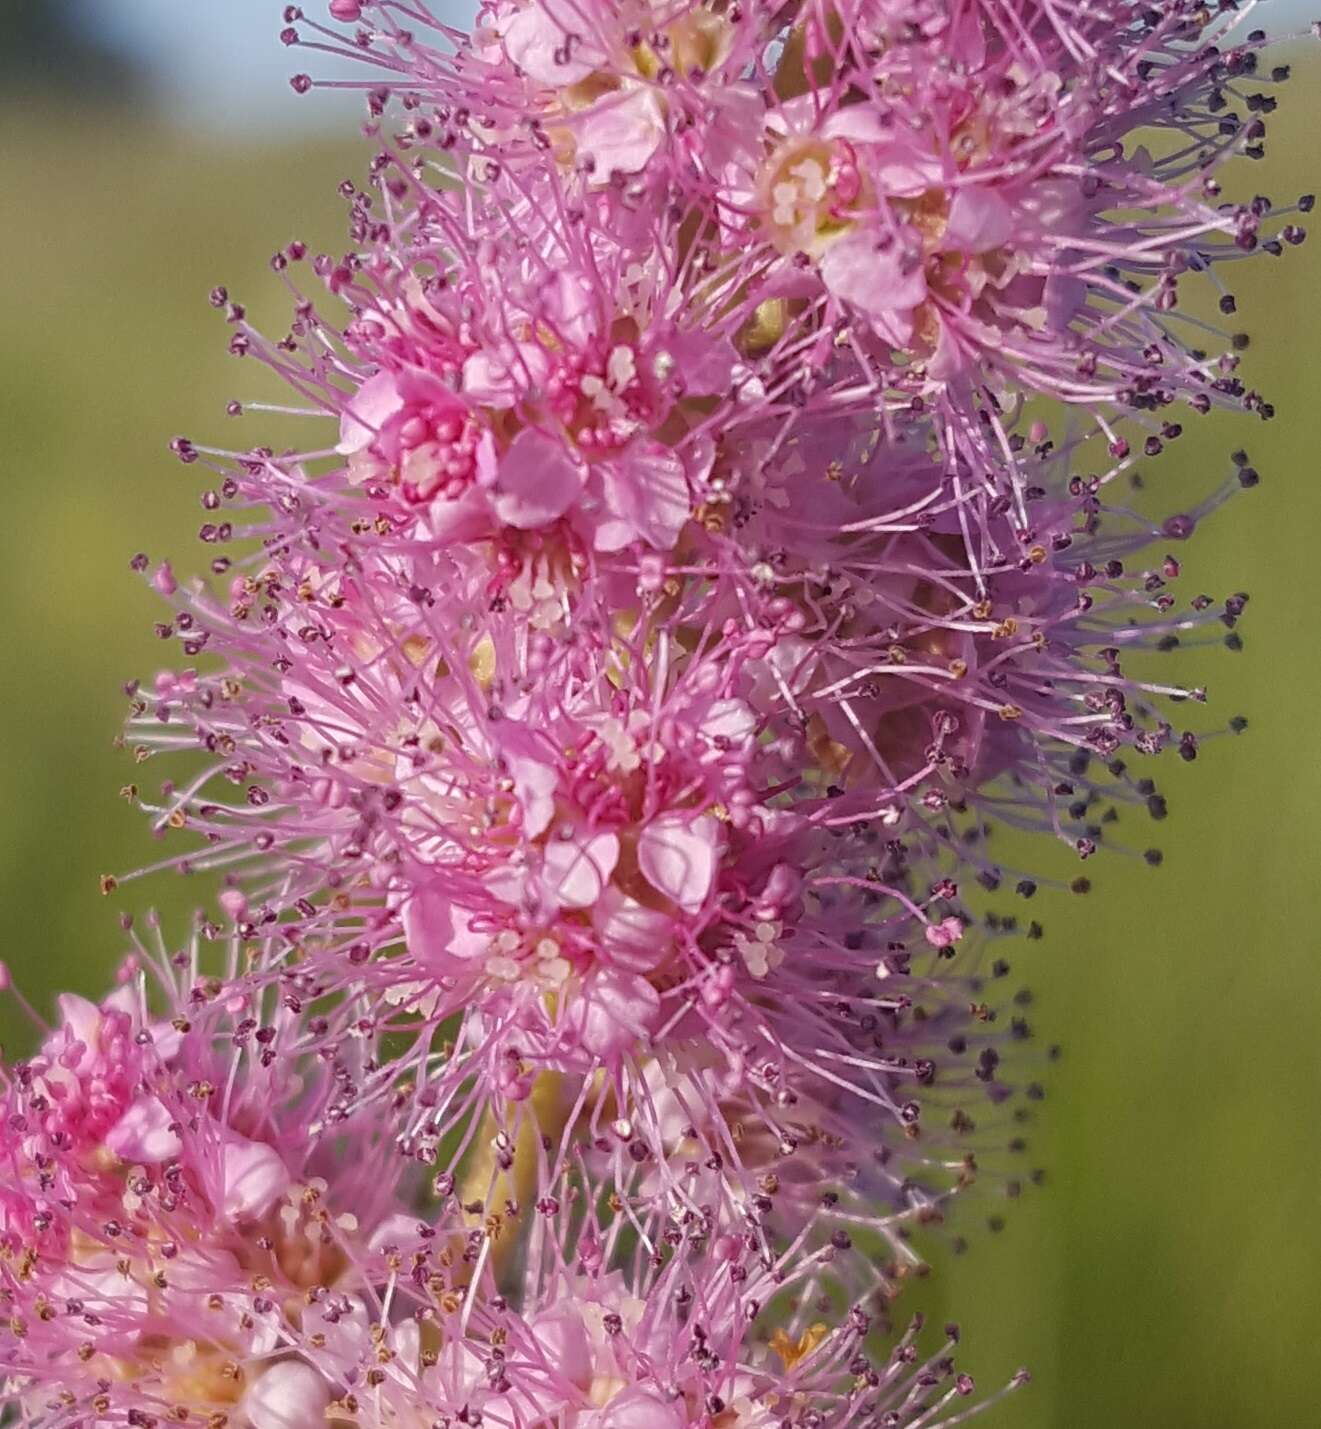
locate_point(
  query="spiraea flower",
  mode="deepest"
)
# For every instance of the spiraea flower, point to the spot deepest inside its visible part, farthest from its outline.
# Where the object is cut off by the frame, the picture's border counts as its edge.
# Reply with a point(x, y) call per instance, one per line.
point(561, 392)
point(180, 1192)
point(228, 1240)
point(608, 409)
point(943, 661)
point(693, 1331)
point(845, 639)
point(702, 530)
point(576, 868)
point(972, 203)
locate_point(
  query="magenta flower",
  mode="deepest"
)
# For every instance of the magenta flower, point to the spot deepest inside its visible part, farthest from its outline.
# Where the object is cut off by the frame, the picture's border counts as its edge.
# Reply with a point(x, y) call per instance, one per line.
point(970, 200)
point(586, 857)
point(599, 713)
point(178, 1195)
point(675, 1340)
point(494, 417)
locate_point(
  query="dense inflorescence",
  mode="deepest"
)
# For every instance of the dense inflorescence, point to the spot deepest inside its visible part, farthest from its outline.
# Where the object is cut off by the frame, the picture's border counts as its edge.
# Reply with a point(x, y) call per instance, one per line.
point(714, 527)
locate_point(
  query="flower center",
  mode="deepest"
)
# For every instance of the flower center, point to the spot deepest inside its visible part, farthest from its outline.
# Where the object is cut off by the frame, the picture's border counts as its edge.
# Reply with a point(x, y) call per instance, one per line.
point(602, 402)
point(438, 455)
point(811, 190)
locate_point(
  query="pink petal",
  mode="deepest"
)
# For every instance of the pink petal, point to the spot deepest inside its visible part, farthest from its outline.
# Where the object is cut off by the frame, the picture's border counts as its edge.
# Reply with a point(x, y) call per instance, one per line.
point(858, 123)
point(500, 377)
point(617, 1010)
point(290, 1395)
point(535, 40)
point(561, 1339)
point(902, 171)
point(875, 279)
point(677, 855)
point(729, 719)
point(568, 307)
point(703, 364)
point(950, 358)
point(437, 933)
point(636, 1409)
point(1055, 206)
point(81, 1019)
point(979, 220)
point(1065, 298)
point(451, 520)
point(621, 133)
point(632, 936)
point(254, 1178)
point(646, 493)
point(576, 870)
point(367, 411)
point(196, 1269)
point(100, 1291)
point(537, 481)
point(535, 780)
point(397, 1230)
point(144, 1133)
point(125, 1000)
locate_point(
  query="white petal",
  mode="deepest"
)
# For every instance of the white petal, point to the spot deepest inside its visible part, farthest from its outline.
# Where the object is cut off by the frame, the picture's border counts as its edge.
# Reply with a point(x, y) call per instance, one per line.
point(677, 856)
point(290, 1395)
point(144, 1133)
point(254, 1176)
point(576, 870)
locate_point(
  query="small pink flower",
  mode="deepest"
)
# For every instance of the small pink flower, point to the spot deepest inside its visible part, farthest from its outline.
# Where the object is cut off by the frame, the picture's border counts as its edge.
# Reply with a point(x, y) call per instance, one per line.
point(171, 1264)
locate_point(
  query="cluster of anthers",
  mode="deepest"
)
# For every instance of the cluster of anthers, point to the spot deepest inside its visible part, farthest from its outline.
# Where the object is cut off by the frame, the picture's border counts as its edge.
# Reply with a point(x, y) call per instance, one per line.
point(710, 537)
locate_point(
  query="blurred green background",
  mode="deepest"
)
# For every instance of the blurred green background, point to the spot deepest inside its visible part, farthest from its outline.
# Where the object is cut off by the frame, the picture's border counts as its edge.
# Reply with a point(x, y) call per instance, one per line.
point(1169, 1274)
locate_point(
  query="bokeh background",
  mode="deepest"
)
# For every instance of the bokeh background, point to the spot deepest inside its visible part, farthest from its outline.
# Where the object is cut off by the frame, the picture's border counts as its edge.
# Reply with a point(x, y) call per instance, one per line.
point(1169, 1273)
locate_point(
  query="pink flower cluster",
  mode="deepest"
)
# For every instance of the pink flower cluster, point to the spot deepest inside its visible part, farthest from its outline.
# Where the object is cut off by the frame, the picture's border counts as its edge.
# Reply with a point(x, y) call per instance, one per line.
point(712, 534)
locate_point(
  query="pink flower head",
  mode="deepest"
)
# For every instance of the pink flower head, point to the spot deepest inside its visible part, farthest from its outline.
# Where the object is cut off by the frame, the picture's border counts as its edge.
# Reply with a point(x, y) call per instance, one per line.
point(590, 857)
point(164, 1256)
point(560, 862)
point(571, 1341)
point(621, 92)
point(559, 395)
point(871, 1122)
point(89, 1076)
point(599, 717)
point(973, 194)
